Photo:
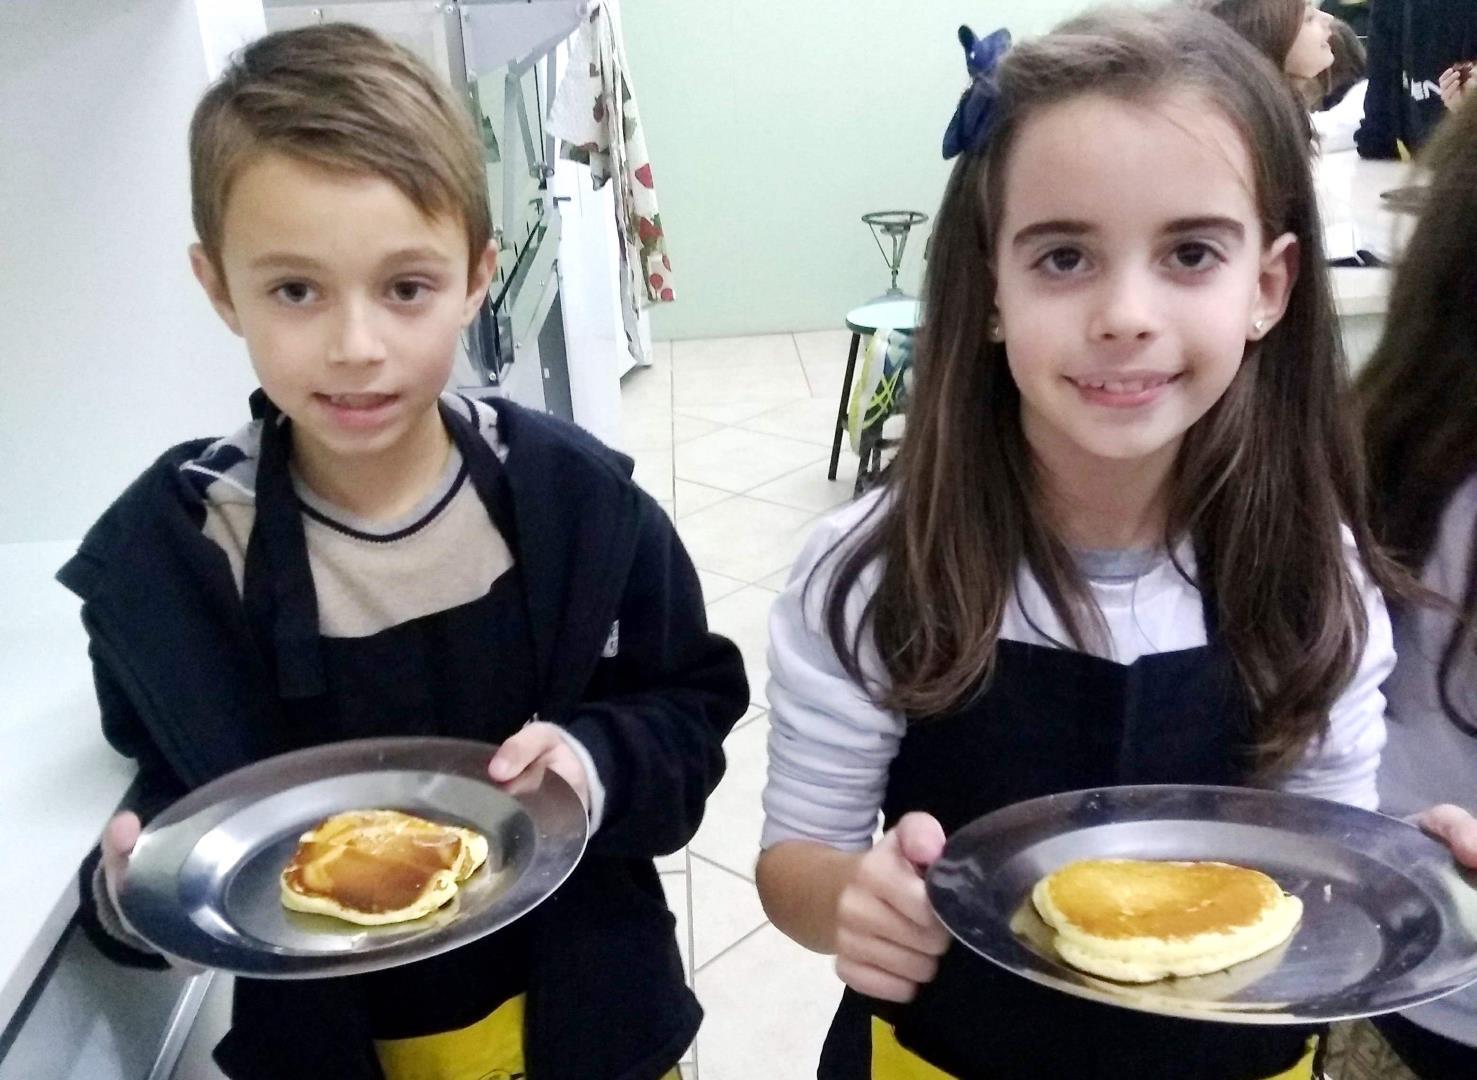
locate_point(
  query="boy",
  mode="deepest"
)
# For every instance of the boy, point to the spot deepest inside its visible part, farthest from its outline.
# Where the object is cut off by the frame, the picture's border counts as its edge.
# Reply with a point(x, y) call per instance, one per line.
point(371, 556)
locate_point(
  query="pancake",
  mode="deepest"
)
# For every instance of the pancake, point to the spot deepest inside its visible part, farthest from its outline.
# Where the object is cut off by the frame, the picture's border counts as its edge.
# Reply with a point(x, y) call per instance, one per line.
point(376, 867)
point(1135, 921)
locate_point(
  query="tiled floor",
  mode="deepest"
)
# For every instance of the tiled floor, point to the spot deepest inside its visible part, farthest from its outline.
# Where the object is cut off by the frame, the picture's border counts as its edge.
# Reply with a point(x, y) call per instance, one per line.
point(733, 437)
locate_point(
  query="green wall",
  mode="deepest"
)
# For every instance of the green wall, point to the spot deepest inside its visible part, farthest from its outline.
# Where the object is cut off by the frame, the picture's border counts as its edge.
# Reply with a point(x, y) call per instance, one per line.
point(774, 124)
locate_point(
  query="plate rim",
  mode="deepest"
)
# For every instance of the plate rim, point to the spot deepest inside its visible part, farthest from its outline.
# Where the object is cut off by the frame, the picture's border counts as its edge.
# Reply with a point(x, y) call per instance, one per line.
point(1016, 815)
point(555, 857)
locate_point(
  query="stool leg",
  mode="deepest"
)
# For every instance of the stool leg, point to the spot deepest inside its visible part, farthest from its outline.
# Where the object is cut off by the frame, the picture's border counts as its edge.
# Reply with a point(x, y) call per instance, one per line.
point(856, 340)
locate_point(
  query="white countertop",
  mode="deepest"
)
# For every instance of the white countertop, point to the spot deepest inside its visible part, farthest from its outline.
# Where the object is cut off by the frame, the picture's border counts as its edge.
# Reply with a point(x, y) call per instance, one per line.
point(59, 780)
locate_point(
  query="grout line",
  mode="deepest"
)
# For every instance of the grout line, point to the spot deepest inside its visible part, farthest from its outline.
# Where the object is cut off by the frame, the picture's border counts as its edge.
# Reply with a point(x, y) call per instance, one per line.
point(803, 373)
point(710, 961)
point(763, 710)
point(719, 866)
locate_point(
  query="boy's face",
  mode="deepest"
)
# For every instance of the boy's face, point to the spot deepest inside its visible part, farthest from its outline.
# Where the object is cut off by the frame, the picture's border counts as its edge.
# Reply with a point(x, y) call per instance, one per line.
point(350, 301)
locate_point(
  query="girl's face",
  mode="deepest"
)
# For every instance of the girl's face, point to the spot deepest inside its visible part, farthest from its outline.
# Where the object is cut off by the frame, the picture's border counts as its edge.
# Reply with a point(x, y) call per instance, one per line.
point(1131, 272)
point(1312, 52)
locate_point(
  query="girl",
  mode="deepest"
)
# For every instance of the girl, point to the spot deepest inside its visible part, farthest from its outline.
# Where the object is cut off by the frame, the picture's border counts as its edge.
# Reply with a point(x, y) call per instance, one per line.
point(1293, 34)
point(1122, 542)
point(1419, 399)
point(1337, 96)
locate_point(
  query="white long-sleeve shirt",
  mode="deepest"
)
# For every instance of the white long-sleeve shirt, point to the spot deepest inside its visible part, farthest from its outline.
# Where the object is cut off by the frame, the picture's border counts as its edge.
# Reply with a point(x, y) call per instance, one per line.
point(831, 745)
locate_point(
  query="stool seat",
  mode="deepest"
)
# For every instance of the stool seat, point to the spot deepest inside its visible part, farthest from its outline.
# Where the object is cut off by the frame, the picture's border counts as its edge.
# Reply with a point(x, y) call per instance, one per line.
point(901, 313)
point(895, 313)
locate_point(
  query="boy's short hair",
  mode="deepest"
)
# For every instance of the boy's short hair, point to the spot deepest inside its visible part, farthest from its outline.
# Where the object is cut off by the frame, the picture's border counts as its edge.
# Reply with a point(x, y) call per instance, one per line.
point(341, 97)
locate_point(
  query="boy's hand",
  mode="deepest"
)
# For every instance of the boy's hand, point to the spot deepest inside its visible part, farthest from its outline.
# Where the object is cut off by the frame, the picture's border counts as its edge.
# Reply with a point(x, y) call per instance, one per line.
point(118, 839)
point(520, 762)
point(888, 939)
point(1456, 828)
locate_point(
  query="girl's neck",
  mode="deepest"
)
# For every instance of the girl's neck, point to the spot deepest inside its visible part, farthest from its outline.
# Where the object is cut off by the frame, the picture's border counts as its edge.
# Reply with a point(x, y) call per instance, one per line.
point(1102, 504)
point(380, 486)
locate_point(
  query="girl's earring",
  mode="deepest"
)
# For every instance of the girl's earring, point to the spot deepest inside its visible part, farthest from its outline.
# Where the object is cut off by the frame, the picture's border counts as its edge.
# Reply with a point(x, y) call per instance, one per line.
point(1258, 326)
point(994, 331)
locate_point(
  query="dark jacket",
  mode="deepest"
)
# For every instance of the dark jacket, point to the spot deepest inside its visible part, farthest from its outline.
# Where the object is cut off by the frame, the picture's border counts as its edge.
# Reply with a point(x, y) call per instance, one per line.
point(1411, 42)
point(188, 687)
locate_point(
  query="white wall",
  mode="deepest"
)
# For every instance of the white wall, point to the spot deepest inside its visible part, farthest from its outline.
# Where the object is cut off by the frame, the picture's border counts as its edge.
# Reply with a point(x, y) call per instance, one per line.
point(108, 350)
point(773, 125)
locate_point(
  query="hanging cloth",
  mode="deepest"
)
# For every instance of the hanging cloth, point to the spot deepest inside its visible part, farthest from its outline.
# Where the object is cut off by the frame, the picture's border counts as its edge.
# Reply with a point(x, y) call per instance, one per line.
point(595, 116)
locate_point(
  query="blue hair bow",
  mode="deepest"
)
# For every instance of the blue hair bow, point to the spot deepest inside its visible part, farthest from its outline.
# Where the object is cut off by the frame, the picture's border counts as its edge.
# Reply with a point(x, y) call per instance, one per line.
point(969, 129)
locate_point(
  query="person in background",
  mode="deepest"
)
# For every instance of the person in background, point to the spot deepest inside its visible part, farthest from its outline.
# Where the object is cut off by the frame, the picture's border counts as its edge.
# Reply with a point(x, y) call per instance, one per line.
point(1456, 83)
point(1353, 12)
point(1418, 397)
point(1124, 542)
point(369, 555)
point(1411, 44)
point(1293, 34)
point(1338, 105)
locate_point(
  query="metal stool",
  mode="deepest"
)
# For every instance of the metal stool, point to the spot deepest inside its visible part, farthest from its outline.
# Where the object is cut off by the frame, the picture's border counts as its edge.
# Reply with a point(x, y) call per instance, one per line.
point(895, 314)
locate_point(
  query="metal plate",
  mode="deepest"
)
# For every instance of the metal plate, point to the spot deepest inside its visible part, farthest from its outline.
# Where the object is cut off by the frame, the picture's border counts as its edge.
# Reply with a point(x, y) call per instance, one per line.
point(1389, 919)
point(202, 882)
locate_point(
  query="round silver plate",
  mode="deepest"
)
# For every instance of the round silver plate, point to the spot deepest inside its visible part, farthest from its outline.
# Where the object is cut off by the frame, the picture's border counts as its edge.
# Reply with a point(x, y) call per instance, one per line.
point(202, 883)
point(1389, 919)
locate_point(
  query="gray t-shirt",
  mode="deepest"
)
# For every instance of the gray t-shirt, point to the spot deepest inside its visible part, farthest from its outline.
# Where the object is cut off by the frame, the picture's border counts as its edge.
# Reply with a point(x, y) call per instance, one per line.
point(1427, 758)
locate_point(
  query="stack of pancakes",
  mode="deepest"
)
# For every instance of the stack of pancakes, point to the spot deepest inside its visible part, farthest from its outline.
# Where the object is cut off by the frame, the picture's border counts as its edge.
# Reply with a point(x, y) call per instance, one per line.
point(1136, 921)
point(375, 867)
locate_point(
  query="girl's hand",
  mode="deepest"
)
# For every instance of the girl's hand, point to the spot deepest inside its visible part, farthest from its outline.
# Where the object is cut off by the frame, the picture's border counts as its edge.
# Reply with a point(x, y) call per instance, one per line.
point(1456, 828)
point(1455, 84)
point(888, 939)
point(520, 762)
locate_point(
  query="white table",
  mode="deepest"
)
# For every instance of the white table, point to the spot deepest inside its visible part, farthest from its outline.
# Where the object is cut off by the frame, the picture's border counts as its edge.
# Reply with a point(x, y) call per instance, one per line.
point(1354, 215)
point(59, 780)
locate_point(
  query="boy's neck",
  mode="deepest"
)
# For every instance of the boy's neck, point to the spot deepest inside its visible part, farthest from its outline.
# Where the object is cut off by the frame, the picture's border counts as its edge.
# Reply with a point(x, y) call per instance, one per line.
point(1100, 504)
point(381, 486)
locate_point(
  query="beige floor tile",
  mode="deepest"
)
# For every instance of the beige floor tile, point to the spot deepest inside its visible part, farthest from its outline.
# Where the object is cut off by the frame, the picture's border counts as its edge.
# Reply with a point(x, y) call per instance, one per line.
point(823, 356)
point(744, 538)
point(675, 863)
point(729, 835)
point(812, 420)
point(694, 497)
point(808, 489)
point(717, 385)
point(768, 350)
point(726, 412)
point(736, 460)
point(687, 428)
point(717, 586)
point(769, 1003)
point(654, 473)
point(743, 618)
point(647, 387)
point(646, 430)
point(754, 713)
point(725, 910)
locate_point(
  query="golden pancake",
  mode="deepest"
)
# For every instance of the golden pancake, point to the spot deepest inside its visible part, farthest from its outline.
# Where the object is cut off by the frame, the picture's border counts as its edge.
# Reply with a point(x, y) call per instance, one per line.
point(375, 867)
point(1136, 921)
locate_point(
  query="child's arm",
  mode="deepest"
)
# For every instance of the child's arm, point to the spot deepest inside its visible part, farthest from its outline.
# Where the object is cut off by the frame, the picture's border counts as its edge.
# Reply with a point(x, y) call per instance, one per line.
point(830, 746)
point(154, 788)
point(656, 713)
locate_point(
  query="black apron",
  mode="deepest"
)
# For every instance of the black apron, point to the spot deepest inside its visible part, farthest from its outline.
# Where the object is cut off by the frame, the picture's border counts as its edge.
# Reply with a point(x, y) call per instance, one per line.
point(464, 672)
point(1054, 720)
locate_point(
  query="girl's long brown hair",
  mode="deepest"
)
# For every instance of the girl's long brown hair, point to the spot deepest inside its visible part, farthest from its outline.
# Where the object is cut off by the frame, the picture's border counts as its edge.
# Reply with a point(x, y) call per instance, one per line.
point(1264, 481)
point(1270, 25)
point(1418, 396)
